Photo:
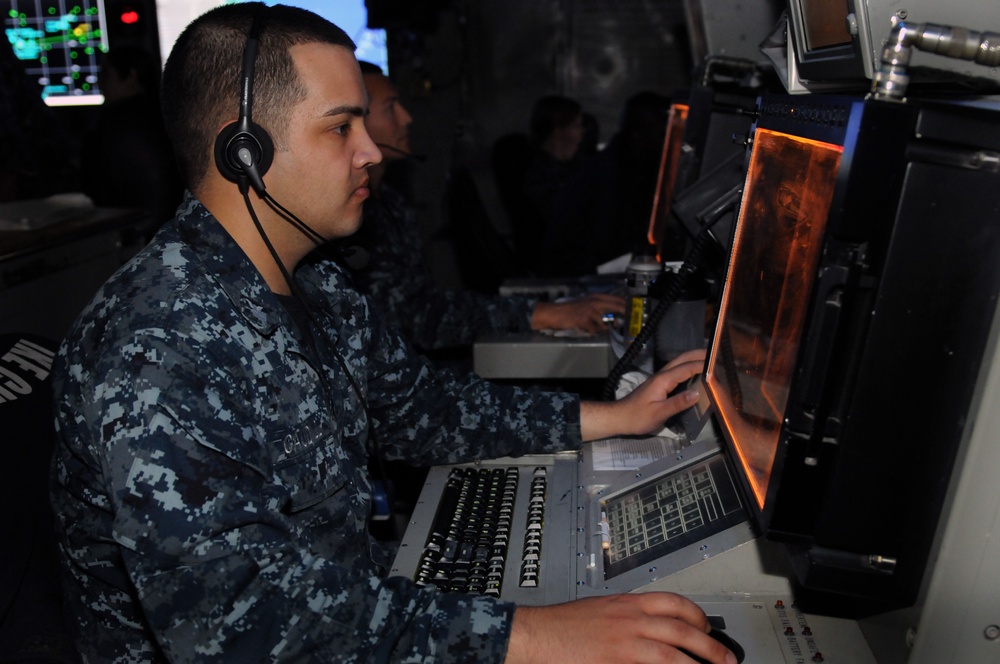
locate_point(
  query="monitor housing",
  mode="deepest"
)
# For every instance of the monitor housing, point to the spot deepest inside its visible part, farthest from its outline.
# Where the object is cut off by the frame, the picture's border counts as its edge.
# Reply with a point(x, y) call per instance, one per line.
point(842, 366)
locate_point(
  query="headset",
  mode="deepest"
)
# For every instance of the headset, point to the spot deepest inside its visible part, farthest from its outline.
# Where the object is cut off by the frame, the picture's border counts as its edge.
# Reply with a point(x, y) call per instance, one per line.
point(243, 149)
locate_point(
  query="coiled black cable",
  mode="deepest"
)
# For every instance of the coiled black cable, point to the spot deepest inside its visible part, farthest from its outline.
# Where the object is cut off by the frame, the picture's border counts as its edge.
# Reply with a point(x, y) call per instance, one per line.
point(668, 295)
point(665, 299)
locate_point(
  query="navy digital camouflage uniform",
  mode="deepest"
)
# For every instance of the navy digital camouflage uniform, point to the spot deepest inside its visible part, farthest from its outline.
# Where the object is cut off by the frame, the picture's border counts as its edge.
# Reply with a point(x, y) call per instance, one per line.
point(398, 283)
point(210, 477)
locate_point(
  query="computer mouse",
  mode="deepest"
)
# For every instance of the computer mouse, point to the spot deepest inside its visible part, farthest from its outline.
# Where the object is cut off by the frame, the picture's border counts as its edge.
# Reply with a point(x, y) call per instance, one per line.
point(724, 639)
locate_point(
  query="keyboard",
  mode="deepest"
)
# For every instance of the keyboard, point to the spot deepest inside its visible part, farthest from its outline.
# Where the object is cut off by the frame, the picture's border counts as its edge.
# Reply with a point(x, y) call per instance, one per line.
point(469, 540)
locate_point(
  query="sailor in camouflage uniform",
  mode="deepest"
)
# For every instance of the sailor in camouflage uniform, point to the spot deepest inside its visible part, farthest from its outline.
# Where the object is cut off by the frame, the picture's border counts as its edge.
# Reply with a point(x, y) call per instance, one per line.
point(206, 465)
point(398, 282)
point(210, 479)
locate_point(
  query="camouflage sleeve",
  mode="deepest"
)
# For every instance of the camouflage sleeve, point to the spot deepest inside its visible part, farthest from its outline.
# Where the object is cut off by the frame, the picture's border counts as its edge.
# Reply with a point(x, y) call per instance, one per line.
point(230, 554)
point(428, 416)
point(431, 417)
point(433, 317)
point(398, 283)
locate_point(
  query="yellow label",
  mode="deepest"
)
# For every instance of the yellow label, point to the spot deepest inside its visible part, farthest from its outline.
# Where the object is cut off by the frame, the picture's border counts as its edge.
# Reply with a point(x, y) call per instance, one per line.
point(635, 316)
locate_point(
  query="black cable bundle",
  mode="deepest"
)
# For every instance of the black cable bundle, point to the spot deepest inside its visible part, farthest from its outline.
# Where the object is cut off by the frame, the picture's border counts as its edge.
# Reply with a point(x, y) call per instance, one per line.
point(666, 295)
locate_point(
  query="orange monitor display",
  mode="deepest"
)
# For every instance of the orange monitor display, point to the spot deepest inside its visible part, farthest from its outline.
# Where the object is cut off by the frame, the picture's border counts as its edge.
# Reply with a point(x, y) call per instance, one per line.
point(668, 173)
point(776, 249)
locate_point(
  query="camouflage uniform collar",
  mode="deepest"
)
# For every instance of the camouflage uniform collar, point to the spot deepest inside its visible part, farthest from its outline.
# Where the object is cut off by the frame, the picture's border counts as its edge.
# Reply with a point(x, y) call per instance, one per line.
point(227, 264)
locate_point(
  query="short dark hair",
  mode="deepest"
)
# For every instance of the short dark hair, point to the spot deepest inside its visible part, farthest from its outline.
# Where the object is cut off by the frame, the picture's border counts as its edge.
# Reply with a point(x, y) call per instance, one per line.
point(550, 113)
point(644, 107)
point(201, 80)
point(370, 68)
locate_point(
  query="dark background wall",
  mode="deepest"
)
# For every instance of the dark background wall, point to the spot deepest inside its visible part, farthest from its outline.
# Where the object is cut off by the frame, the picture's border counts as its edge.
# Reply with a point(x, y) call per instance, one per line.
point(469, 72)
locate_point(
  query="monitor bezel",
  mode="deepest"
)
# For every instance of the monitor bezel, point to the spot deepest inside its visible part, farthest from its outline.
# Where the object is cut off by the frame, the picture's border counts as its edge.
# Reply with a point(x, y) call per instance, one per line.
point(850, 62)
point(666, 179)
point(832, 120)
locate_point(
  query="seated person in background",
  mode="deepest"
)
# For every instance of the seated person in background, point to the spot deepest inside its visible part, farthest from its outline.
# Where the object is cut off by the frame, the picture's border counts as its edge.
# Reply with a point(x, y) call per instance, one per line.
point(218, 400)
point(557, 132)
point(398, 282)
point(128, 161)
point(603, 209)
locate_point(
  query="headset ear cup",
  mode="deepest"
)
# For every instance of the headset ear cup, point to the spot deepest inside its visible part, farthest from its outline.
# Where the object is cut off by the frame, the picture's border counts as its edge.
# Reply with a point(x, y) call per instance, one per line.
point(229, 171)
point(231, 141)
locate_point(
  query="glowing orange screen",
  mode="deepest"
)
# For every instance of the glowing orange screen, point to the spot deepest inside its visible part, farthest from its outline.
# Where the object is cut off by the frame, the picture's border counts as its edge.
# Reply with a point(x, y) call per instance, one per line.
point(668, 173)
point(789, 189)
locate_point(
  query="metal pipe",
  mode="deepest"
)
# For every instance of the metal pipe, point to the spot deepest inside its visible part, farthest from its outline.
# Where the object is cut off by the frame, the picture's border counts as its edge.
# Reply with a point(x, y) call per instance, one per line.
point(891, 79)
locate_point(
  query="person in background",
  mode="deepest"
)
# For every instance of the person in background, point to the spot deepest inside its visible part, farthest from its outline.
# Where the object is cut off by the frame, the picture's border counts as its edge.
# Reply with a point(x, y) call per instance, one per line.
point(219, 399)
point(557, 133)
point(129, 162)
point(399, 283)
point(530, 170)
point(603, 209)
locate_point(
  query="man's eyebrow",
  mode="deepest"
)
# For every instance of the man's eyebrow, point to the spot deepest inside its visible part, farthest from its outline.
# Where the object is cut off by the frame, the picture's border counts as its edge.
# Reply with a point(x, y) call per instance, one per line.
point(356, 111)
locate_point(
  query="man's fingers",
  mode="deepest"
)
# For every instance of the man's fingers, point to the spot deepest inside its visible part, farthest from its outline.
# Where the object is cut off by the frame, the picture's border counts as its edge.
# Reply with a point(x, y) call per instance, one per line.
point(693, 355)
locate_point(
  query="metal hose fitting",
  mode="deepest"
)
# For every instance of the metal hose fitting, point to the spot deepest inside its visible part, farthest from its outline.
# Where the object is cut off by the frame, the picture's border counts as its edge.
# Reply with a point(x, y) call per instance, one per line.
point(891, 79)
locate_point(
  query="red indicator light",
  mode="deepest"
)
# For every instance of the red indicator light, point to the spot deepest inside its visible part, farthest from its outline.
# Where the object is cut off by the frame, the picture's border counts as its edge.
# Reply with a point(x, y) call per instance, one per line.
point(130, 17)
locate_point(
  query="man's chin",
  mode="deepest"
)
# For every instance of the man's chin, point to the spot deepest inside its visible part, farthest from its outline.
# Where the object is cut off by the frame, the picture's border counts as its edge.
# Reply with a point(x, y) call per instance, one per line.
point(350, 226)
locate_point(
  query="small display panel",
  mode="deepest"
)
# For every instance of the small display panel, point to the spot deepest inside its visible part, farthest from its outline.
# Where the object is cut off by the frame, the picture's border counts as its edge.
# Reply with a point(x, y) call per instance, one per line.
point(825, 23)
point(668, 513)
point(776, 249)
point(659, 220)
point(58, 42)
